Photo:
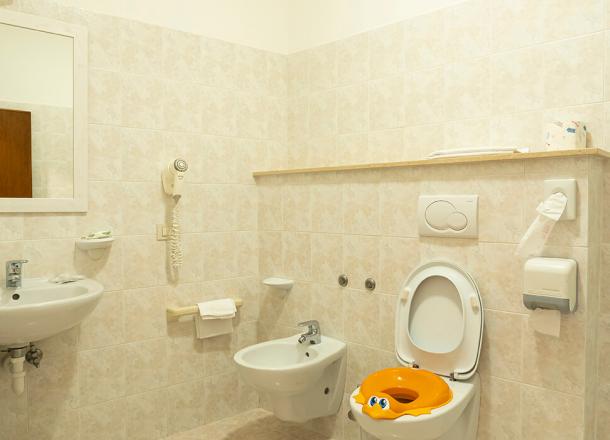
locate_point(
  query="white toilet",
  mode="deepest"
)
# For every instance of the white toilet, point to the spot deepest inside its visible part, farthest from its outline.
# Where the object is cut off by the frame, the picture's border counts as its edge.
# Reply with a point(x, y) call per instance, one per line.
point(439, 328)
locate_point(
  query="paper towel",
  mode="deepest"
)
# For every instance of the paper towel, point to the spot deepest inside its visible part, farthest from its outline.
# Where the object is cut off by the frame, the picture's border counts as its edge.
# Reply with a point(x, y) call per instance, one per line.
point(547, 322)
point(537, 234)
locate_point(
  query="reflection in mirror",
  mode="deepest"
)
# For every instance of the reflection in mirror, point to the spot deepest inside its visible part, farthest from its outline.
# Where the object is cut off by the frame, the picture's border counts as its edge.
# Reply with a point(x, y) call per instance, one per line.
point(36, 114)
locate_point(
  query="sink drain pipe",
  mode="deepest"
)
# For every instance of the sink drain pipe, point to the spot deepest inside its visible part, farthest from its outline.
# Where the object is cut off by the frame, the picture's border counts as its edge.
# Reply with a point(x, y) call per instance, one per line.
point(14, 364)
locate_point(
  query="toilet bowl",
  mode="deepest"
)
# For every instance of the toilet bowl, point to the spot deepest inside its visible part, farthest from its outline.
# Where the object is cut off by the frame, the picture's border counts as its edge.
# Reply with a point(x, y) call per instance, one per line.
point(438, 335)
point(455, 421)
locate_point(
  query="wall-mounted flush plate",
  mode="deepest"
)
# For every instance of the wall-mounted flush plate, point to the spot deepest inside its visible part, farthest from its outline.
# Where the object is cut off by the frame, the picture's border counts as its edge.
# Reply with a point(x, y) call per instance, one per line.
point(448, 216)
point(162, 232)
point(567, 187)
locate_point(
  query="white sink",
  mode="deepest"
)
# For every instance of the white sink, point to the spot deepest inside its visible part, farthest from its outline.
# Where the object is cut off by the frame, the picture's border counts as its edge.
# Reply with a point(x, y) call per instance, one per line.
point(303, 381)
point(40, 309)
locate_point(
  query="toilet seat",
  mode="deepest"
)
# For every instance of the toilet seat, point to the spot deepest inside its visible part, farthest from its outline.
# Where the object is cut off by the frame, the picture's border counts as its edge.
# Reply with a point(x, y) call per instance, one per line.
point(439, 321)
point(404, 390)
point(439, 328)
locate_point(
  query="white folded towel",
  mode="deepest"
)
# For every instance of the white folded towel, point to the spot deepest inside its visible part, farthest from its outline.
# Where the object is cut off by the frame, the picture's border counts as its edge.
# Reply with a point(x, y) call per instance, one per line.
point(215, 318)
point(217, 309)
point(208, 328)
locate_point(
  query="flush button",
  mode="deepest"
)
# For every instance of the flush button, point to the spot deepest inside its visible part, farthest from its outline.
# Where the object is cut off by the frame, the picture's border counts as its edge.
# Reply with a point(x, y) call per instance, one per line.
point(448, 215)
point(457, 221)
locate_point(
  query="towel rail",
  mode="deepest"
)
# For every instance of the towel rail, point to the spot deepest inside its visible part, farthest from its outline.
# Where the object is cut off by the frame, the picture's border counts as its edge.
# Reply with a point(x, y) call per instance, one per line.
point(174, 313)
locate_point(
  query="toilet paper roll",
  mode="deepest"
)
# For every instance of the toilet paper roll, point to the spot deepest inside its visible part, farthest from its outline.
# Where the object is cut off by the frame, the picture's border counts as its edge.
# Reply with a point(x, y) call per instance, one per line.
point(537, 234)
point(565, 135)
point(547, 322)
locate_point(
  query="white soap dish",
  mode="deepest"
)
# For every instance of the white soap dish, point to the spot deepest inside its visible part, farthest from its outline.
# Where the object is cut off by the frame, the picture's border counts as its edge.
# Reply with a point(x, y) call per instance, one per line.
point(279, 283)
point(95, 247)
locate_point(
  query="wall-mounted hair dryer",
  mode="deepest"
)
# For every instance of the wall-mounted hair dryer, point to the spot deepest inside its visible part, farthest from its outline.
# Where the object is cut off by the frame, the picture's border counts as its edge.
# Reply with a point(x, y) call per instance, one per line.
point(173, 176)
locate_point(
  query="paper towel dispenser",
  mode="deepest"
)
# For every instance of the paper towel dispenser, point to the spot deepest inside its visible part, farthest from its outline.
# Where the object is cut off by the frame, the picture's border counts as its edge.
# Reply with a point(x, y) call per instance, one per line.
point(550, 283)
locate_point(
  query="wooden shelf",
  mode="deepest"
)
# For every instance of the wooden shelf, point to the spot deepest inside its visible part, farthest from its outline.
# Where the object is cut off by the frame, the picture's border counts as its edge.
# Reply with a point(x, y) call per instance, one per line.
point(502, 157)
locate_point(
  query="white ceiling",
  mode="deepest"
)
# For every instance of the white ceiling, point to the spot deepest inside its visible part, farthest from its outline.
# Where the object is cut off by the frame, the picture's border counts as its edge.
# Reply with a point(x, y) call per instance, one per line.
point(283, 26)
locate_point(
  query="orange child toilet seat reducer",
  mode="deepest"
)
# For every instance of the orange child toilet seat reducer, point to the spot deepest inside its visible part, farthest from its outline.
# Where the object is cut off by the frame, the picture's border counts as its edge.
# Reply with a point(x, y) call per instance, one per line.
point(395, 392)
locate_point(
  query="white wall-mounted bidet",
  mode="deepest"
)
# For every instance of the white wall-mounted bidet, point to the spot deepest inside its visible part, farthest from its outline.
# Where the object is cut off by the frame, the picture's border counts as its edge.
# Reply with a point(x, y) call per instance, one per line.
point(304, 380)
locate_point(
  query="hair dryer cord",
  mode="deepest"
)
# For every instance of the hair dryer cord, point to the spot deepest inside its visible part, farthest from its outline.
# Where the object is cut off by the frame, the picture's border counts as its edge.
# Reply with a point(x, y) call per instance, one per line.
point(175, 249)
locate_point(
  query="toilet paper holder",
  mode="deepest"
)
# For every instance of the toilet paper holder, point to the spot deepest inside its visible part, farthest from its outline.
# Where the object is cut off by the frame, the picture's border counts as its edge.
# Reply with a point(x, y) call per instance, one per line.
point(550, 283)
point(566, 187)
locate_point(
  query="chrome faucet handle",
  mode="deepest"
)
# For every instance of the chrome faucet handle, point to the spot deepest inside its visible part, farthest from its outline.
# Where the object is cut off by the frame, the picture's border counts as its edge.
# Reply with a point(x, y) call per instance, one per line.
point(13, 273)
point(13, 267)
point(313, 335)
point(313, 326)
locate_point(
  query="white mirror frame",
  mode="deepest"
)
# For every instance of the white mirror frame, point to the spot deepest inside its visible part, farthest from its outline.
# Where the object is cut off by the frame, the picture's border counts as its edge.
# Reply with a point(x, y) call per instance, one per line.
point(80, 140)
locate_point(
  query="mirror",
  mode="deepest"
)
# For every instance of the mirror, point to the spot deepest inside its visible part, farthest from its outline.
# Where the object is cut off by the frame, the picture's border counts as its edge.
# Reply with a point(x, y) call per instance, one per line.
point(36, 108)
point(42, 115)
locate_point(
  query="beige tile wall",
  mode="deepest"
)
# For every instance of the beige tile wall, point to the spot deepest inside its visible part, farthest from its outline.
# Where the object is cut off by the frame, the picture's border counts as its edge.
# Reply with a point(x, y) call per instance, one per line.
point(484, 72)
point(601, 386)
point(364, 224)
point(155, 94)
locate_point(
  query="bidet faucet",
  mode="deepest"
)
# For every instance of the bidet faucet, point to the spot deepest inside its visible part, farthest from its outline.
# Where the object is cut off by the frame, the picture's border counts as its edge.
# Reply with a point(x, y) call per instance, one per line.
point(14, 271)
point(313, 334)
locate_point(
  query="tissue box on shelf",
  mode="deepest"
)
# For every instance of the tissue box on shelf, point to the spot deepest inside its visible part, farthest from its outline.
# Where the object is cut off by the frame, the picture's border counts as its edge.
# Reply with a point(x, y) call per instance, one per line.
point(565, 135)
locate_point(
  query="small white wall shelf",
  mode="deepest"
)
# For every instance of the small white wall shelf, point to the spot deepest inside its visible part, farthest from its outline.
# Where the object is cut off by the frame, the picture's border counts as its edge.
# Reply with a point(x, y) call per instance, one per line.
point(95, 248)
point(279, 283)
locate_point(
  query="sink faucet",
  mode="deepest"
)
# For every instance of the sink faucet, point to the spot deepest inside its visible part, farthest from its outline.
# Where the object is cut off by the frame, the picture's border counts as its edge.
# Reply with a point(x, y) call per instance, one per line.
point(313, 334)
point(14, 270)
